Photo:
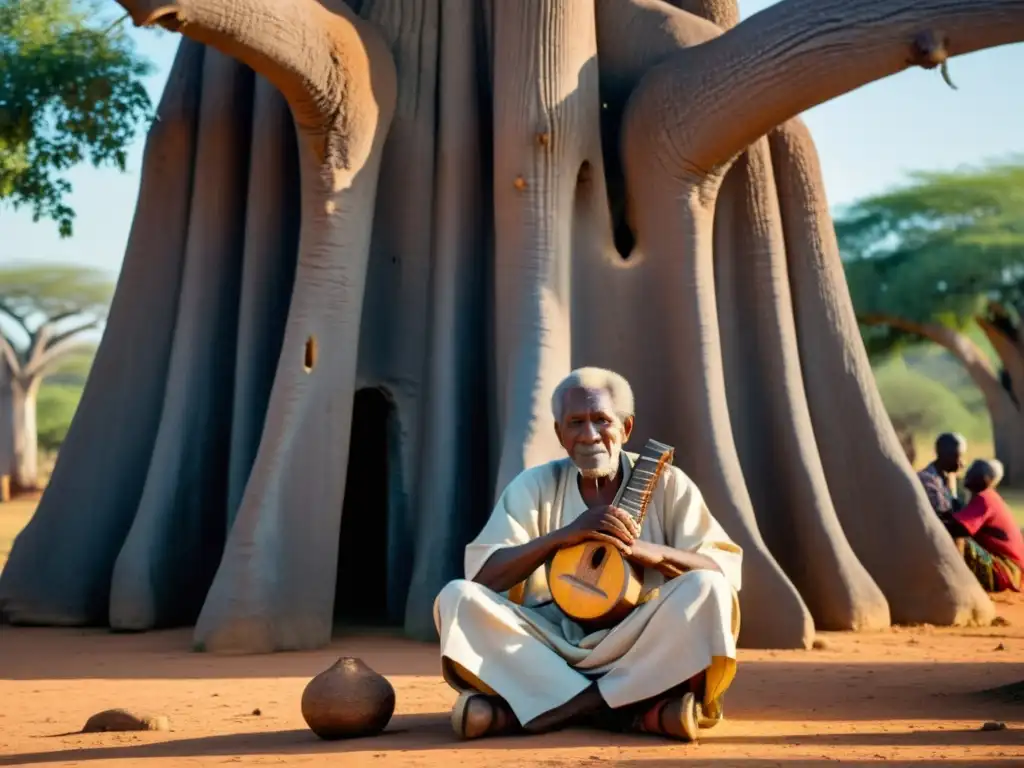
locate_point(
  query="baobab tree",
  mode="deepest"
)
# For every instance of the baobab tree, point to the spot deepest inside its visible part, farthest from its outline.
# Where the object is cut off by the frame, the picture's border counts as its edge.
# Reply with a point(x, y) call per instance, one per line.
point(45, 314)
point(454, 203)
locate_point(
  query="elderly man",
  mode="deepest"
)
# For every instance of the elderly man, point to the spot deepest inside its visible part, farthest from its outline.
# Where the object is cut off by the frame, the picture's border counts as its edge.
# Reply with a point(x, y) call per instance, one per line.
point(522, 664)
point(939, 477)
point(986, 533)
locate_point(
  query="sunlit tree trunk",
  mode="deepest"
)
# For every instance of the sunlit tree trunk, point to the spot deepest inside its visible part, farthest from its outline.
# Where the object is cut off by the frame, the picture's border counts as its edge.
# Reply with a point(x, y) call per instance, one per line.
point(491, 193)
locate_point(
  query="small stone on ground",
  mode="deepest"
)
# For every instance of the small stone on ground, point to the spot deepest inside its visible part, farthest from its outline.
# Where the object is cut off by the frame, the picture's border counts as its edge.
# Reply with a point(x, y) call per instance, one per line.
point(123, 720)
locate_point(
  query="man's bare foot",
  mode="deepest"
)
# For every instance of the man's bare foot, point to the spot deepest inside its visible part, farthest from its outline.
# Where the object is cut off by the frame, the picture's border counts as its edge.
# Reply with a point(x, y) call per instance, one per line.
point(581, 706)
point(475, 715)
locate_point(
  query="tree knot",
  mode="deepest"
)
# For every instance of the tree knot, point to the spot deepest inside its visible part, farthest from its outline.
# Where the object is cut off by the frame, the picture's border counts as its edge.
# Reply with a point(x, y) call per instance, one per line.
point(168, 17)
point(929, 50)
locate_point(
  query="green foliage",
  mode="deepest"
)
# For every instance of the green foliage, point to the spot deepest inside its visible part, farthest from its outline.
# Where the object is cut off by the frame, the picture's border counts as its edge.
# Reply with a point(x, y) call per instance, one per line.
point(55, 408)
point(926, 407)
point(936, 364)
point(938, 249)
point(70, 91)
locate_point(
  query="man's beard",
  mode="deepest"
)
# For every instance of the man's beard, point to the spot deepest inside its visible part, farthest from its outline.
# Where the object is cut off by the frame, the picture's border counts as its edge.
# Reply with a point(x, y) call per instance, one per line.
point(600, 465)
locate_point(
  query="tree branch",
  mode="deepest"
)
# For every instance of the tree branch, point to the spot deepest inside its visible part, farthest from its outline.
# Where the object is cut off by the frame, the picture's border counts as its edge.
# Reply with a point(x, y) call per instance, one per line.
point(723, 13)
point(70, 332)
point(977, 364)
point(794, 55)
point(6, 310)
point(635, 35)
point(38, 342)
point(42, 338)
point(316, 55)
point(56, 347)
point(1009, 355)
point(62, 316)
point(10, 356)
point(55, 352)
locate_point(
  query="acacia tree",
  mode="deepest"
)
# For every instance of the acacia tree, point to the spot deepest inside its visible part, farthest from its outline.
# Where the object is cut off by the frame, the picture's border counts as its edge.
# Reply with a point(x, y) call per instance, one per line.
point(931, 259)
point(48, 311)
point(491, 193)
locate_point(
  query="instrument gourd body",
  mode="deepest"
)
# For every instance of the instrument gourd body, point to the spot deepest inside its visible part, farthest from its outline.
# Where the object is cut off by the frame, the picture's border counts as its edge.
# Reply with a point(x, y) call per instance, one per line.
point(593, 583)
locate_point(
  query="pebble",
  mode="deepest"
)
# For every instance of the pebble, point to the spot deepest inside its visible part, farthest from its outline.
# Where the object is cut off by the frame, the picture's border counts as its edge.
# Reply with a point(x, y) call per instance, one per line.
point(123, 720)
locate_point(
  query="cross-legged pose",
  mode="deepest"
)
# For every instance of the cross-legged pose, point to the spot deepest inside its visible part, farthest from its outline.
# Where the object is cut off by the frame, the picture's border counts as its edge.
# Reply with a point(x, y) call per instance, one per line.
point(986, 533)
point(521, 664)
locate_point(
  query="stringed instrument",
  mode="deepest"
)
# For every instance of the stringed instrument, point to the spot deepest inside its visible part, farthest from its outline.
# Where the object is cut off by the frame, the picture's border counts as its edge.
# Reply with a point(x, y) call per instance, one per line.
point(593, 583)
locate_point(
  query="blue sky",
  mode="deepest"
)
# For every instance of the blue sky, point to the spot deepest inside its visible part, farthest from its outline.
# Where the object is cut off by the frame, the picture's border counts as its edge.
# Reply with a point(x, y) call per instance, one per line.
point(868, 141)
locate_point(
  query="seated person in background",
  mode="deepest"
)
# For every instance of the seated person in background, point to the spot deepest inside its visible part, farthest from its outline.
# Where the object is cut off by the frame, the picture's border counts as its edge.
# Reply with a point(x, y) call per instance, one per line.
point(939, 477)
point(521, 664)
point(985, 531)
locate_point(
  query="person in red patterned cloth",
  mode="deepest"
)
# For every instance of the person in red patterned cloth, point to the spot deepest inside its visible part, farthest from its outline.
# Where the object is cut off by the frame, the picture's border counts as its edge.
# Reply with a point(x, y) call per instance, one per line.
point(985, 530)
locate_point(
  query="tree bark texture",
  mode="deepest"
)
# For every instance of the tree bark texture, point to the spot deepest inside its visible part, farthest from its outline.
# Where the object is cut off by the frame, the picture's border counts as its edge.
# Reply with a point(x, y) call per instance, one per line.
point(491, 193)
point(24, 394)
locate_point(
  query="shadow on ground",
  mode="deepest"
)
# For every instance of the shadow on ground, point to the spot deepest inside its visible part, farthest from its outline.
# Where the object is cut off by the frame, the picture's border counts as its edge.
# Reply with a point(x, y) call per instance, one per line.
point(165, 655)
point(421, 733)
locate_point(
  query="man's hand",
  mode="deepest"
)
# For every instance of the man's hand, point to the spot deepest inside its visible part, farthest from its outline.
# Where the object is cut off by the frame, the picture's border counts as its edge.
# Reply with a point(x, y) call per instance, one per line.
point(647, 555)
point(606, 523)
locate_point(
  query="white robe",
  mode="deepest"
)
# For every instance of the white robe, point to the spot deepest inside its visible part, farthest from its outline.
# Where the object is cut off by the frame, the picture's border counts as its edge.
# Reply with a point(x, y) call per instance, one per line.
point(528, 652)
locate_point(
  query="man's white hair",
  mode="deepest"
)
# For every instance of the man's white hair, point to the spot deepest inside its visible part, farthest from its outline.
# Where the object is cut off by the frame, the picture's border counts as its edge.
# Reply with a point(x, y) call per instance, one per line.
point(991, 468)
point(595, 378)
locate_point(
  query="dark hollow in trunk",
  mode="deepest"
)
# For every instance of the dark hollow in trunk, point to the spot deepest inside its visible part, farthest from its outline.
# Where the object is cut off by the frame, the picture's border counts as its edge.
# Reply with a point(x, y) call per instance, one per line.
point(363, 584)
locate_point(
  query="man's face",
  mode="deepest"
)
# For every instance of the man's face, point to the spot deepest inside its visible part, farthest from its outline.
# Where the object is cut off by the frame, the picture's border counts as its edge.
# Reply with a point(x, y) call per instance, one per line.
point(591, 432)
point(950, 458)
point(977, 481)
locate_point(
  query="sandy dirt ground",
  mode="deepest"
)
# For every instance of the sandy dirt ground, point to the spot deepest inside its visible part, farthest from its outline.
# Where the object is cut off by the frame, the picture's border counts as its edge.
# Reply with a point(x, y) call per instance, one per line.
point(910, 696)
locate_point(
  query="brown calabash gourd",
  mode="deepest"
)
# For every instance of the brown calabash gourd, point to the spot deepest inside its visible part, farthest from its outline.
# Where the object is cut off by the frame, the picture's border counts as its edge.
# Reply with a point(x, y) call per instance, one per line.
point(347, 700)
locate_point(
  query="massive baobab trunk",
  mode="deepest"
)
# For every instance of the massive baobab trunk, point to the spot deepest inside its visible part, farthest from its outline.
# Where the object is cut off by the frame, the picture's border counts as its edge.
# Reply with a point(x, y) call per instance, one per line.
point(491, 193)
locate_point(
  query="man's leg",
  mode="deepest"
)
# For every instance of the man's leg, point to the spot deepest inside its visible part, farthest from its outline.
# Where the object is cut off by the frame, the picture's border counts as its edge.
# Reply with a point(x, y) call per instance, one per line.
point(979, 561)
point(507, 654)
point(480, 711)
point(1012, 573)
point(578, 709)
point(678, 647)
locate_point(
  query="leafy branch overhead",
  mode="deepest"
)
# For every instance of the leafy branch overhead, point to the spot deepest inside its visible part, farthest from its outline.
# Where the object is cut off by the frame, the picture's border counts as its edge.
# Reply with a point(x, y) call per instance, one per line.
point(947, 248)
point(70, 91)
